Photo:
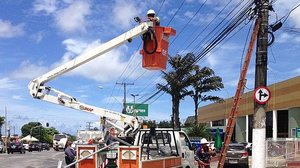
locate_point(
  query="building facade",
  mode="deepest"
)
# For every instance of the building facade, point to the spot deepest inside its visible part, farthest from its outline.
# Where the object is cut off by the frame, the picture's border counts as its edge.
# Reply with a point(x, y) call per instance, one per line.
point(282, 116)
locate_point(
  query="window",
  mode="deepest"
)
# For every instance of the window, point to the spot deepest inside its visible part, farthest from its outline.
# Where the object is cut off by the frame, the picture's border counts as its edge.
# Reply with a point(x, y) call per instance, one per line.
point(185, 141)
point(218, 123)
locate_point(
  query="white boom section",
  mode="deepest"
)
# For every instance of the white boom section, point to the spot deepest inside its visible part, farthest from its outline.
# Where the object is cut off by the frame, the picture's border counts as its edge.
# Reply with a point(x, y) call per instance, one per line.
point(39, 91)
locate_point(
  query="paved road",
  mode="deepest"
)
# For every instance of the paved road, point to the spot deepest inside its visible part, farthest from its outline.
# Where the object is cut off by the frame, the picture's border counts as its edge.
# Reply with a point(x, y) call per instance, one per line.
point(43, 159)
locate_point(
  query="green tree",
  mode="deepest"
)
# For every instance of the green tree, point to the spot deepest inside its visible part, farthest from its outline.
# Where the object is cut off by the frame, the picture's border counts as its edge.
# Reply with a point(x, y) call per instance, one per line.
point(2, 120)
point(198, 130)
point(178, 82)
point(26, 128)
point(164, 124)
point(149, 123)
point(37, 130)
point(203, 82)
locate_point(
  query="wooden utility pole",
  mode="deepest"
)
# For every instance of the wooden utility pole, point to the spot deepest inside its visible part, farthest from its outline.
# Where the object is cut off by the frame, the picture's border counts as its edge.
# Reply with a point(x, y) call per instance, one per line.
point(124, 100)
point(259, 119)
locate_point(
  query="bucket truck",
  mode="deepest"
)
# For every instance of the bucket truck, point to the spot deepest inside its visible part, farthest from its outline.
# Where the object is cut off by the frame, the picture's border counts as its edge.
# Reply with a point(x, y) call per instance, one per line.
point(39, 90)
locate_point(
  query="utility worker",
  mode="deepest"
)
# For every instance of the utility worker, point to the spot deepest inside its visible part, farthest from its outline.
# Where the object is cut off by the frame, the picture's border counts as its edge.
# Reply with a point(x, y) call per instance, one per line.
point(203, 154)
point(151, 17)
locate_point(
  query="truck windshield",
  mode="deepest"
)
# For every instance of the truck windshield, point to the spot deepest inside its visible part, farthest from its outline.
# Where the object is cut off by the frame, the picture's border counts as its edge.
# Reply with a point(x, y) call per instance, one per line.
point(58, 137)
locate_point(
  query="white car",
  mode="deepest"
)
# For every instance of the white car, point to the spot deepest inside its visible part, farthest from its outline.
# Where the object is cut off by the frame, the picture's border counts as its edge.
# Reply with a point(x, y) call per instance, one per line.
point(26, 146)
point(1, 147)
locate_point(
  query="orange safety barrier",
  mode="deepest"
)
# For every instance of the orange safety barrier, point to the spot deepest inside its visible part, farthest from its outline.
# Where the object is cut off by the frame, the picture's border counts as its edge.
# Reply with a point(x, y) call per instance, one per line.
point(129, 157)
point(158, 59)
point(84, 150)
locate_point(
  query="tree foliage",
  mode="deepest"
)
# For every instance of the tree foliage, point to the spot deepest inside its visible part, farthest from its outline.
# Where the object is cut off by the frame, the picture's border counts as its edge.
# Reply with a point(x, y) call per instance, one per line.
point(160, 124)
point(178, 79)
point(198, 130)
point(38, 131)
point(187, 79)
point(203, 82)
point(2, 120)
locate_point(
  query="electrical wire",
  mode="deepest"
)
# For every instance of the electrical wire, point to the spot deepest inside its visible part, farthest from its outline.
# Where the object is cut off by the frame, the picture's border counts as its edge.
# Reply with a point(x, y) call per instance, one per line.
point(129, 62)
point(286, 17)
point(178, 34)
point(209, 23)
point(182, 3)
point(237, 21)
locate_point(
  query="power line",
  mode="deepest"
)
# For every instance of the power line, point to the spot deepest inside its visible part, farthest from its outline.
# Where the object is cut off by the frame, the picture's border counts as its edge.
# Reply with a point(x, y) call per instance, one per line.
point(229, 28)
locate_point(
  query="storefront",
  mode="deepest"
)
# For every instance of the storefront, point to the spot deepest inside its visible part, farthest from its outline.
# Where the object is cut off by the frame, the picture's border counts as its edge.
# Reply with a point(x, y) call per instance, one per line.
point(282, 116)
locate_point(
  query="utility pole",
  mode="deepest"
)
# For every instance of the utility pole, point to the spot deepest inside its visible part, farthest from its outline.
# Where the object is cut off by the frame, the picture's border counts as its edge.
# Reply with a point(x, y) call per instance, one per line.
point(5, 131)
point(124, 100)
point(134, 95)
point(259, 118)
point(88, 125)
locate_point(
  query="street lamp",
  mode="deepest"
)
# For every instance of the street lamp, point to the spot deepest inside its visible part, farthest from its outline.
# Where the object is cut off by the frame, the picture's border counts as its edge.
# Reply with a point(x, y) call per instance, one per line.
point(134, 95)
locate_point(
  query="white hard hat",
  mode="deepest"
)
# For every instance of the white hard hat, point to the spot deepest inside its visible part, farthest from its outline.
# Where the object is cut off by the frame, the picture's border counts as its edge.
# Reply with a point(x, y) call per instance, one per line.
point(203, 141)
point(151, 11)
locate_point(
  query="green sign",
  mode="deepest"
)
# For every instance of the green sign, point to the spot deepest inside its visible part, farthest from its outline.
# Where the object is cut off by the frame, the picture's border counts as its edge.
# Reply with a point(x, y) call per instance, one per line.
point(137, 109)
point(298, 132)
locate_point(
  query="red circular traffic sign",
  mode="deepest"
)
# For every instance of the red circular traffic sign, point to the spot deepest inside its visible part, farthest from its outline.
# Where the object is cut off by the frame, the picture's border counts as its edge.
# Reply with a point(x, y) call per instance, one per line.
point(262, 95)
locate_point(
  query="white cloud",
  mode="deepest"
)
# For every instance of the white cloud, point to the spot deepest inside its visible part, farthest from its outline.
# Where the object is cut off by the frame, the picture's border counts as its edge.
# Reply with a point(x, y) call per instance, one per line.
point(124, 12)
point(107, 67)
point(284, 38)
point(29, 71)
point(7, 30)
point(38, 37)
point(295, 17)
point(47, 6)
point(73, 17)
point(6, 83)
point(282, 7)
point(297, 71)
point(189, 14)
point(17, 97)
point(212, 60)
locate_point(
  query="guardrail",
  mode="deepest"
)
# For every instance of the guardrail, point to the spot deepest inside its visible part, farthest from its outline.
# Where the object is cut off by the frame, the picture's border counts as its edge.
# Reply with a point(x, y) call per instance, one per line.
point(77, 161)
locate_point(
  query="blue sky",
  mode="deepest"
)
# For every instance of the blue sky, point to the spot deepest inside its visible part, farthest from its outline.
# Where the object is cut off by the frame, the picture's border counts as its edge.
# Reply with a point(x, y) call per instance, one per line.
point(37, 36)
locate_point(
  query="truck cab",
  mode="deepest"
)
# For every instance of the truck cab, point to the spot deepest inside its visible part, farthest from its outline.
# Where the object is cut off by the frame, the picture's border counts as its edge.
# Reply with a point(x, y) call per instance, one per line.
point(157, 143)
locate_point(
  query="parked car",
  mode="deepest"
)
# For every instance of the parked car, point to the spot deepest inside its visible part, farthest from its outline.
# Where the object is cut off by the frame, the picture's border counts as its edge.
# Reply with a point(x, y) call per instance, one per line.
point(15, 147)
point(237, 155)
point(1, 147)
point(34, 147)
point(45, 146)
point(248, 146)
point(26, 146)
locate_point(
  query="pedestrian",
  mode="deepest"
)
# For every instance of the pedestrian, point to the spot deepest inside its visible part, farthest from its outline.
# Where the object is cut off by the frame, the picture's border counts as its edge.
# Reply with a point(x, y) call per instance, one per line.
point(151, 17)
point(70, 154)
point(203, 154)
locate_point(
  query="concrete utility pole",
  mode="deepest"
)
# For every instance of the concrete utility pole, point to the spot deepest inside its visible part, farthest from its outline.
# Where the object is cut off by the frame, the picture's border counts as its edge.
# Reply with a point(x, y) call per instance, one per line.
point(134, 95)
point(5, 131)
point(259, 118)
point(124, 102)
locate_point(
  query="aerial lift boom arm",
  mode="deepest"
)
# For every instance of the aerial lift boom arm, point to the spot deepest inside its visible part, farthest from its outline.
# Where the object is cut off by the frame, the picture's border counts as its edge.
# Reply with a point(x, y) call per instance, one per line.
point(38, 89)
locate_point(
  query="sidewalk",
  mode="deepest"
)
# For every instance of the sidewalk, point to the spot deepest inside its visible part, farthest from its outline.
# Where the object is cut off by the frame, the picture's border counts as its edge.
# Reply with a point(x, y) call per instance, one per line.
point(215, 160)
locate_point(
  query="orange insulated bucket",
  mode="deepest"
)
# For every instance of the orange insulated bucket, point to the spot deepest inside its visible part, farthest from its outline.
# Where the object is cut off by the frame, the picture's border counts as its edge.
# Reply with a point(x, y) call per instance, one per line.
point(157, 60)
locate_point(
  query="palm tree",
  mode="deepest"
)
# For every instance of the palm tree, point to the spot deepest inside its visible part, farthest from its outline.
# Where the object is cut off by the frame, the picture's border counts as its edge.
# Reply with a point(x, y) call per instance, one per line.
point(178, 79)
point(2, 120)
point(204, 81)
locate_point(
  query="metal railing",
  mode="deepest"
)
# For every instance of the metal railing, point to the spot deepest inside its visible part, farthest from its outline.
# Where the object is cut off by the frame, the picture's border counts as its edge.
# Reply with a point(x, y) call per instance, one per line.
point(281, 150)
point(77, 161)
